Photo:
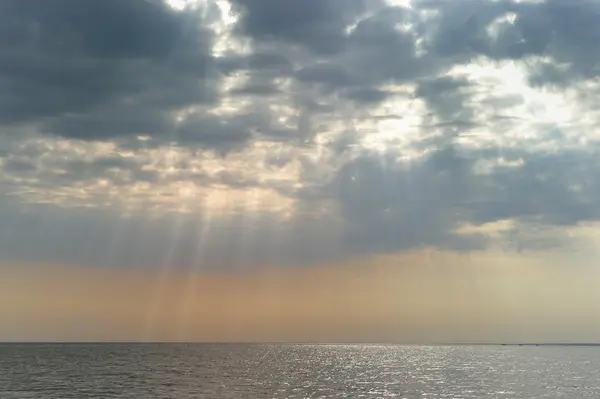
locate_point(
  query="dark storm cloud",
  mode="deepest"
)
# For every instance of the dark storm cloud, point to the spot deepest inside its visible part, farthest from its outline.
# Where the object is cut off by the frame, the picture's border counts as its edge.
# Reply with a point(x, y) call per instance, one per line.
point(96, 51)
point(138, 28)
point(380, 52)
point(325, 74)
point(111, 123)
point(389, 207)
point(257, 90)
point(376, 52)
point(565, 32)
point(557, 189)
point(459, 30)
point(318, 25)
point(258, 61)
point(98, 70)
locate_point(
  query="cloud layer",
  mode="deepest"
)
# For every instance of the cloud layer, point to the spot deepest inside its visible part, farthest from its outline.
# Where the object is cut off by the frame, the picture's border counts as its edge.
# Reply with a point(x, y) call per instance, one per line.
point(254, 132)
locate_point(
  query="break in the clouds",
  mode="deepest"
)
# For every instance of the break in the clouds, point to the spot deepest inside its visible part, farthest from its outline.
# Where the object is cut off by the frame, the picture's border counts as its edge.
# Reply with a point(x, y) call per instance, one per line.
point(262, 131)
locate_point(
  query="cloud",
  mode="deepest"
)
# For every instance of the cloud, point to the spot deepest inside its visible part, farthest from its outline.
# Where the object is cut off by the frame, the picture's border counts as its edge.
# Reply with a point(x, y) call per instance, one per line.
point(552, 30)
point(363, 126)
point(64, 68)
point(317, 25)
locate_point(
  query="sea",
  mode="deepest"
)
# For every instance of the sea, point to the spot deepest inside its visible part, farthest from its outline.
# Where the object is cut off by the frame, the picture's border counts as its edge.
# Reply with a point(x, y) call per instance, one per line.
point(214, 371)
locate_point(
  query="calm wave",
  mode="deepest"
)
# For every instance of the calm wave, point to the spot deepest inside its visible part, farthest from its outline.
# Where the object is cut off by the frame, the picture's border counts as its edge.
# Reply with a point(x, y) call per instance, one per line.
point(296, 371)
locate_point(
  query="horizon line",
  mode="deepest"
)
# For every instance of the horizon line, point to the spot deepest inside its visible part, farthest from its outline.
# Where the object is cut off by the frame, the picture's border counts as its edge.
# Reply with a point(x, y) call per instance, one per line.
point(110, 342)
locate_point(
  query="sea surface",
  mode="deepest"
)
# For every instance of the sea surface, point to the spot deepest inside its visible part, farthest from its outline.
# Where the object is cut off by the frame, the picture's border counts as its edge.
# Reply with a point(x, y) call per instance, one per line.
point(215, 371)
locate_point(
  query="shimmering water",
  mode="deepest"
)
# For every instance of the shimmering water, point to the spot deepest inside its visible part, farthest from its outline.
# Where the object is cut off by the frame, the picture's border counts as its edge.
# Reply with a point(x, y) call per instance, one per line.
point(297, 371)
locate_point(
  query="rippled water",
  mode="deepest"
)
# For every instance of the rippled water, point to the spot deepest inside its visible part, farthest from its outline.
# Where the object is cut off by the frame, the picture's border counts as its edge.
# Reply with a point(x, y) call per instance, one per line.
point(297, 371)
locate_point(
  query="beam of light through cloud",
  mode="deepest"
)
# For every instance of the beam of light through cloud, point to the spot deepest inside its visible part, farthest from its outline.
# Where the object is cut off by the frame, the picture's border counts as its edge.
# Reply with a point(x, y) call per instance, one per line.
point(190, 289)
point(157, 300)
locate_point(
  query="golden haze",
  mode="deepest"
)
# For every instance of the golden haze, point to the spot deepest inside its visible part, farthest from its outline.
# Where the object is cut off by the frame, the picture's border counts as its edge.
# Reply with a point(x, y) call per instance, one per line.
point(416, 297)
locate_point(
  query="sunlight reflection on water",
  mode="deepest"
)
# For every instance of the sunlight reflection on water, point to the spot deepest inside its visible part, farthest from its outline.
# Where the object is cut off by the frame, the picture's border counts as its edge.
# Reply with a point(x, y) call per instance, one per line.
point(297, 371)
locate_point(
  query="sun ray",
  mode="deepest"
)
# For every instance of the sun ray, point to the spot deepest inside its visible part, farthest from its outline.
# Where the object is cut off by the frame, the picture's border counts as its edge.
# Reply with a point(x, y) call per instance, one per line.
point(189, 291)
point(166, 268)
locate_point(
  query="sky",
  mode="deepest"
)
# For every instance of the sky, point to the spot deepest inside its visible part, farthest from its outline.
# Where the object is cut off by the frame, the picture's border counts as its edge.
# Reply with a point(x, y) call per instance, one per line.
point(299, 170)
